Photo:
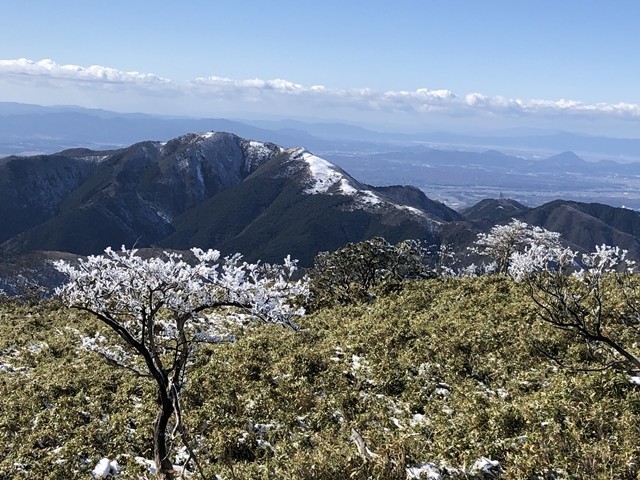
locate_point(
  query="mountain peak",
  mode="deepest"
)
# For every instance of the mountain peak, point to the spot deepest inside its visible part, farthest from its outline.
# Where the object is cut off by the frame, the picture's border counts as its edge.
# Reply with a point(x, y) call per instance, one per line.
point(491, 211)
point(567, 158)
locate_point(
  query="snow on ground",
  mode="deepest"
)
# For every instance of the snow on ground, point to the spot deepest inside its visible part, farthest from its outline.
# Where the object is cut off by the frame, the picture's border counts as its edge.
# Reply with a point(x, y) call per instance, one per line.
point(367, 196)
point(424, 470)
point(6, 367)
point(634, 379)
point(484, 466)
point(326, 176)
point(94, 158)
point(258, 149)
point(346, 188)
point(13, 355)
point(412, 210)
point(163, 215)
point(105, 468)
point(487, 466)
point(206, 135)
point(151, 467)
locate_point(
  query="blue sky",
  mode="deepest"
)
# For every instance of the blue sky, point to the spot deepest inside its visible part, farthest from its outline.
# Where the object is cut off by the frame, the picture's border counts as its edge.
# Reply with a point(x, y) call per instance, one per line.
point(420, 65)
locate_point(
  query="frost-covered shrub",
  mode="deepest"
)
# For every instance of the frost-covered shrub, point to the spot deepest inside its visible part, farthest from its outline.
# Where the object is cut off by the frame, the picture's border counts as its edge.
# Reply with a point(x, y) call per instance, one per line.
point(594, 296)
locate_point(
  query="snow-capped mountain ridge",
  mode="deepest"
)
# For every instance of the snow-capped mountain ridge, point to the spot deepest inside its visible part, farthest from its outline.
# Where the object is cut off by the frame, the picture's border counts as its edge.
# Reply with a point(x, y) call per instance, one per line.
point(324, 177)
point(210, 189)
point(217, 190)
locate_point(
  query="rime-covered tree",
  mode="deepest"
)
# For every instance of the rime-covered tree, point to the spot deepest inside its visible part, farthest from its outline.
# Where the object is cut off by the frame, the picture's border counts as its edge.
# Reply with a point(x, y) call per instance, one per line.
point(594, 296)
point(162, 308)
point(503, 241)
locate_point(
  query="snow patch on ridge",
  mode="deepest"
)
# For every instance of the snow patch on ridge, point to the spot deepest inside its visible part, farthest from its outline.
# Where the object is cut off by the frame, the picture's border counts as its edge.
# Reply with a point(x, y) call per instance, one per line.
point(94, 158)
point(368, 197)
point(326, 178)
point(324, 175)
point(413, 210)
point(206, 135)
point(258, 149)
point(256, 153)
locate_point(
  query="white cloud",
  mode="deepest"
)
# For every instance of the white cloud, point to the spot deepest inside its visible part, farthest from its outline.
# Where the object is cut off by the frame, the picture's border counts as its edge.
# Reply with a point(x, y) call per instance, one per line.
point(284, 93)
point(95, 73)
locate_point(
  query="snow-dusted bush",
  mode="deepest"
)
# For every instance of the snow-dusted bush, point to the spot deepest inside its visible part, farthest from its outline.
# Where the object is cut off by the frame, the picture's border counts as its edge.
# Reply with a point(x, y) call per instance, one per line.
point(594, 295)
point(542, 257)
point(353, 272)
point(161, 309)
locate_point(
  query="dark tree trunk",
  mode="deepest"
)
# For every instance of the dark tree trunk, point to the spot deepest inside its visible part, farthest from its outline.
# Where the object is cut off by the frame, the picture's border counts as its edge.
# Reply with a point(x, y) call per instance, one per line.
point(164, 466)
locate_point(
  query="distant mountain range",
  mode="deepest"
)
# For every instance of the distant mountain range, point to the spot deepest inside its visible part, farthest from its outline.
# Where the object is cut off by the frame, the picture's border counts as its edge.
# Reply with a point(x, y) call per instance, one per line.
point(27, 129)
point(37, 129)
point(582, 225)
point(462, 178)
point(218, 190)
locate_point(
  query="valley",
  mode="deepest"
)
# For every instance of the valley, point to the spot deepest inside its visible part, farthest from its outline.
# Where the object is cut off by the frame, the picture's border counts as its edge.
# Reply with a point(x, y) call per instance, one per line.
point(460, 178)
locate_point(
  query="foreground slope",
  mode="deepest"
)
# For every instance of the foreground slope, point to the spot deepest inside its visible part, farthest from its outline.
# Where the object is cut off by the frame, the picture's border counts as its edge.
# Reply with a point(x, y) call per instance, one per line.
point(446, 372)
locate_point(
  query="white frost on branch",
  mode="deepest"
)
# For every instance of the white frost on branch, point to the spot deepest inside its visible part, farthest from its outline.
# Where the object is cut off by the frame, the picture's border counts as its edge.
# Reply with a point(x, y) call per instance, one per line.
point(607, 259)
point(131, 288)
point(161, 303)
point(504, 243)
point(590, 267)
point(541, 257)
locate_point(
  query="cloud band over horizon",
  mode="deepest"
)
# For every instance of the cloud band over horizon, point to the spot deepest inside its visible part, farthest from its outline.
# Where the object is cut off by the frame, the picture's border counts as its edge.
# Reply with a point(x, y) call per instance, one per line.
point(49, 74)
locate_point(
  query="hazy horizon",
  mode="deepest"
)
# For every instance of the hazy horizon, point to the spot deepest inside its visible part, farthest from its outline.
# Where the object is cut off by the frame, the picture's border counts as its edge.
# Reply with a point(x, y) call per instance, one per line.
point(402, 66)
